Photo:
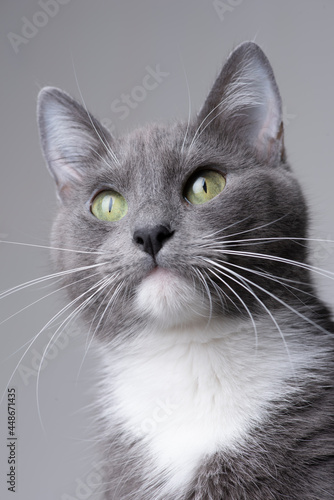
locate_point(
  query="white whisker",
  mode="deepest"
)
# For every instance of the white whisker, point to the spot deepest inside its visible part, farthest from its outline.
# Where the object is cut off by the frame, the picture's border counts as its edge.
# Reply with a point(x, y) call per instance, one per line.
point(42, 279)
point(197, 133)
point(237, 97)
point(275, 258)
point(270, 294)
point(100, 284)
point(206, 288)
point(251, 229)
point(106, 146)
point(107, 308)
point(46, 296)
point(189, 107)
point(56, 316)
point(92, 252)
point(240, 281)
point(211, 235)
point(238, 297)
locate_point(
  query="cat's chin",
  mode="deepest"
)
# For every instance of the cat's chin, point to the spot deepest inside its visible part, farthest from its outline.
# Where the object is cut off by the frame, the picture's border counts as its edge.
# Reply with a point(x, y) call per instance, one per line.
point(168, 299)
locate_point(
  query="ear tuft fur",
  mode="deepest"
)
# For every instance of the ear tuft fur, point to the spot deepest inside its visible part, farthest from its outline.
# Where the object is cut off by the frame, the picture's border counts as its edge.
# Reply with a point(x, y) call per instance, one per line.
point(70, 137)
point(245, 100)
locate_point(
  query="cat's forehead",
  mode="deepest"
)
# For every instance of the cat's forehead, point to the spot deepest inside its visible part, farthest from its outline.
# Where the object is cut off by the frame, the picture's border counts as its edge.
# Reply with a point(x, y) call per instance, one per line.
point(175, 150)
point(152, 143)
point(152, 155)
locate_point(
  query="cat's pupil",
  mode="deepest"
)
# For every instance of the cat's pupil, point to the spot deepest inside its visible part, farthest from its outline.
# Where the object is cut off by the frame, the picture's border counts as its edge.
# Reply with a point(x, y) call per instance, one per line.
point(110, 204)
point(204, 185)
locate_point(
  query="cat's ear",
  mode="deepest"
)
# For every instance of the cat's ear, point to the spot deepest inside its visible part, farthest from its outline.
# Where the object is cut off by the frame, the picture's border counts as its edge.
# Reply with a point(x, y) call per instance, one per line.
point(245, 101)
point(70, 136)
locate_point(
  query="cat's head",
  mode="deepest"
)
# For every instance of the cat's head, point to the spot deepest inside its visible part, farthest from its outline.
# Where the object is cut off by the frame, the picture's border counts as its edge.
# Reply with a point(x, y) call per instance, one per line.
point(169, 220)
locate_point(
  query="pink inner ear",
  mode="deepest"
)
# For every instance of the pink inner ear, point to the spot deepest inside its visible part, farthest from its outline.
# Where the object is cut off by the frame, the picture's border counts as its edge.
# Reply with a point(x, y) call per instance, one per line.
point(70, 173)
point(270, 126)
point(67, 182)
point(264, 114)
point(65, 174)
point(250, 103)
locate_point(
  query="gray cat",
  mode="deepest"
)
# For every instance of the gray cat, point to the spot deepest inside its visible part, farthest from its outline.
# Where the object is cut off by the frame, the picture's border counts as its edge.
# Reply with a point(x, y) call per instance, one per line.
point(192, 280)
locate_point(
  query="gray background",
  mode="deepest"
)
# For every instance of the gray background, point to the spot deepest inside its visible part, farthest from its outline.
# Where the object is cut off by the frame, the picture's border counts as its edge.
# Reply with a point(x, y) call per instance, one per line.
point(110, 44)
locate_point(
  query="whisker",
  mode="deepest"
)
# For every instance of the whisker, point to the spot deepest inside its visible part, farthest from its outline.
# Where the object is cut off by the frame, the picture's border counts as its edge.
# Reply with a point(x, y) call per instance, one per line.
point(106, 145)
point(92, 252)
point(46, 296)
point(101, 157)
point(239, 298)
point(240, 281)
point(239, 88)
point(282, 281)
point(275, 258)
point(196, 134)
point(107, 308)
point(98, 309)
point(222, 292)
point(100, 284)
point(189, 106)
point(36, 281)
point(57, 315)
point(282, 302)
point(206, 288)
point(251, 229)
point(272, 239)
point(211, 235)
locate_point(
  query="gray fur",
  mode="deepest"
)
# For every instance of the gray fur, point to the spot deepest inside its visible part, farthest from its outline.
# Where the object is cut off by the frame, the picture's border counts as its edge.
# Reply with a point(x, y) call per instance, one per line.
point(290, 454)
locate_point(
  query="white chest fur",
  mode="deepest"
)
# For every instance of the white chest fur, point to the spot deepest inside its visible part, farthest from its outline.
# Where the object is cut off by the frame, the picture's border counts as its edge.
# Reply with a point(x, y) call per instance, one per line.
point(188, 393)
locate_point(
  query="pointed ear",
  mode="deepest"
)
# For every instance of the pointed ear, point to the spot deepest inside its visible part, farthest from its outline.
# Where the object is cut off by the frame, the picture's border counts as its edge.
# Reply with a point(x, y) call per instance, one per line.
point(71, 138)
point(245, 102)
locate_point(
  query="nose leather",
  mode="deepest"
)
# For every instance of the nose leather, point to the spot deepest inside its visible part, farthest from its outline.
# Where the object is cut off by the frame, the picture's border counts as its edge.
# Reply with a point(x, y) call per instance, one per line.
point(152, 239)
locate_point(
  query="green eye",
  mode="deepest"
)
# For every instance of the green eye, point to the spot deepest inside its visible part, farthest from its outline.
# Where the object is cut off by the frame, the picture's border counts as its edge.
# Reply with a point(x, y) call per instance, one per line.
point(109, 206)
point(203, 186)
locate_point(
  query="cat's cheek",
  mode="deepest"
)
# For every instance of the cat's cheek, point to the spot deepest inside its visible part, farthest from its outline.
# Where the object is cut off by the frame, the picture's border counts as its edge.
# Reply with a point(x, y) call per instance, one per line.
point(169, 299)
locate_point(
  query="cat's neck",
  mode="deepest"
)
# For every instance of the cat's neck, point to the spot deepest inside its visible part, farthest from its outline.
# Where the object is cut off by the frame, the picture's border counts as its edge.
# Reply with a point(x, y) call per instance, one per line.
point(212, 383)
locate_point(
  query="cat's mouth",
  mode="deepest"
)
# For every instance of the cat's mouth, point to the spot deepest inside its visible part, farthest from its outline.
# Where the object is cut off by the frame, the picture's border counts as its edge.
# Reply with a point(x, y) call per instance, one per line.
point(159, 273)
point(166, 297)
point(161, 281)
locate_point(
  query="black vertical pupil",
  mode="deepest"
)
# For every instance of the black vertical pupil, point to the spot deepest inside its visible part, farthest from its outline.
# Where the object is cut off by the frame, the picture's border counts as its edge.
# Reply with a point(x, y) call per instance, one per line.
point(205, 187)
point(110, 204)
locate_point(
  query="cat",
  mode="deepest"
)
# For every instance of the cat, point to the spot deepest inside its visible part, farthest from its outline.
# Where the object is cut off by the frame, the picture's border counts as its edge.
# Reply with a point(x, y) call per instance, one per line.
point(189, 271)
